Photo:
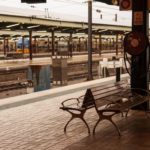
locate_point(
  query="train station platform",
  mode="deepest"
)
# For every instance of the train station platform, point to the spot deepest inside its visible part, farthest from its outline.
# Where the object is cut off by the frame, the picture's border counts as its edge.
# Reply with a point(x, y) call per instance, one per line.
point(54, 92)
point(35, 122)
point(7, 63)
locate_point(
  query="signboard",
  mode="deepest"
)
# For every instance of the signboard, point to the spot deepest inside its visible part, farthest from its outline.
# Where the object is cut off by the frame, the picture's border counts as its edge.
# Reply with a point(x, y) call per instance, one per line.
point(33, 1)
point(125, 4)
point(138, 18)
point(109, 2)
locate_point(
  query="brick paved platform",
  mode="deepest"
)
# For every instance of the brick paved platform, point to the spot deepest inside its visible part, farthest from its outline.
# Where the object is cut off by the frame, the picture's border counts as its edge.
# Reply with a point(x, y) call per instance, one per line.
point(39, 126)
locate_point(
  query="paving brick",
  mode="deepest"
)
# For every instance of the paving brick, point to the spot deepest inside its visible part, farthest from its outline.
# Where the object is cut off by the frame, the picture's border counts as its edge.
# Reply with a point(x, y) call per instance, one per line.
point(39, 126)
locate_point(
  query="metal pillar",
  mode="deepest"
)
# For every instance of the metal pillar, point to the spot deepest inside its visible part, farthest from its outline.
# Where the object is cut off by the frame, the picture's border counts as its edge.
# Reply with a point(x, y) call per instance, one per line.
point(35, 45)
point(90, 77)
point(122, 37)
point(48, 46)
point(79, 45)
point(96, 47)
point(70, 45)
point(4, 45)
point(15, 45)
point(30, 43)
point(7, 45)
point(86, 44)
point(117, 44)
point(53, 43)
point(23, 44)
point(100, 44)
point(140, 64)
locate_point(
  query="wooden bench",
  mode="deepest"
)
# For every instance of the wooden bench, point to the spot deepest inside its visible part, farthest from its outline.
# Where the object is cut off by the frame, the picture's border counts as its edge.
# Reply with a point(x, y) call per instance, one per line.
point(108, 101)
point(78, 106)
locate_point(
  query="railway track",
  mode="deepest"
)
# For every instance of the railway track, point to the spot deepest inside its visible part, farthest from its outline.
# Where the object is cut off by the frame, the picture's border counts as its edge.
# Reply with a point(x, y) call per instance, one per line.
point(80, 70)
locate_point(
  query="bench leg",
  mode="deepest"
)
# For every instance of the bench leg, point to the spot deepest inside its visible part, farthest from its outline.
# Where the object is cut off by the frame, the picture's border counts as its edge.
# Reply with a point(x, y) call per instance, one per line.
point(109, 118)
point(86, 124)
point(80, 116)
point(96, 125)
point(68, 123)
point(119, 133)
point(126, 113)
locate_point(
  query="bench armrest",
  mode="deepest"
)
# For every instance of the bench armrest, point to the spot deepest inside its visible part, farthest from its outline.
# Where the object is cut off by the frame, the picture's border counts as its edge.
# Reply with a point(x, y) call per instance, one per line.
point(76, 101)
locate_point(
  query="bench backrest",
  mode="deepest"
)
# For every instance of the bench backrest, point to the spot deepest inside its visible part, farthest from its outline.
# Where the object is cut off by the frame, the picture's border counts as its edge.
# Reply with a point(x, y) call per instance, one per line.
point(119, 98)
point(94, 94)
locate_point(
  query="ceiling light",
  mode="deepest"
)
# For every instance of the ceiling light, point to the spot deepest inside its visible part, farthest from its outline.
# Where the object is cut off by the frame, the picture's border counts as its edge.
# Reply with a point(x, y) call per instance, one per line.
point(12, 25)
point(30, 27)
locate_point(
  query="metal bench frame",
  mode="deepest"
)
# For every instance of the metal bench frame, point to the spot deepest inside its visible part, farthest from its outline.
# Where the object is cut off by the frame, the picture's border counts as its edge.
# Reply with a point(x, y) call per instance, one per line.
point(77, 110)
point(107, 100)
point(78, 106)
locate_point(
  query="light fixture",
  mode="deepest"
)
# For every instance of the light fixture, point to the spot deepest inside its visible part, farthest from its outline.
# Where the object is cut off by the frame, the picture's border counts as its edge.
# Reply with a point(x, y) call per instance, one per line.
point(102, 30)
point(12, 25)
point(30, 27)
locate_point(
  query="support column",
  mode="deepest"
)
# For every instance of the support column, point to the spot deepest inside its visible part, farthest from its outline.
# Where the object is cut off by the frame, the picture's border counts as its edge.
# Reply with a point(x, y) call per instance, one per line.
point(140, 63)
point(70, 45)
point(96, 48)
point(139, 72)
point(79, 44)
point(90, 77)
point(4, 45)
point(48, 41)
point(109, 43)
point(7, 45)
point(117, 37)
point(15, 45)
point(53, 43)
point(100, 44)
point(86, 44)
point(122, 37)
point(113, 42)
point(23, 45)
point(35, 46)
point(30, 43)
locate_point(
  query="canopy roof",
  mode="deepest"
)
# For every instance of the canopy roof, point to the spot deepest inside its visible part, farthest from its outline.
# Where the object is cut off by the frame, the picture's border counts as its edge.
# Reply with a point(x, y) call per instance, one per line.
point(23, 17)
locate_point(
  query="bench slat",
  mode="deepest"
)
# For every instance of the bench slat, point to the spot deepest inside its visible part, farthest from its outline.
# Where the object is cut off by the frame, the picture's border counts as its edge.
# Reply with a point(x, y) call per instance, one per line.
point(98, 88)
point(105, 91)
point(107, 94)
point(98, 92)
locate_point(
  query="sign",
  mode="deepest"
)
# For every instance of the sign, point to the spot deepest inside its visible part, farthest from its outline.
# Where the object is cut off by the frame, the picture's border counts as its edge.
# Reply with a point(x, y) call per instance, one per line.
point(109, 2)
point(33, 1)
point(138, 18)
point(125, 4)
